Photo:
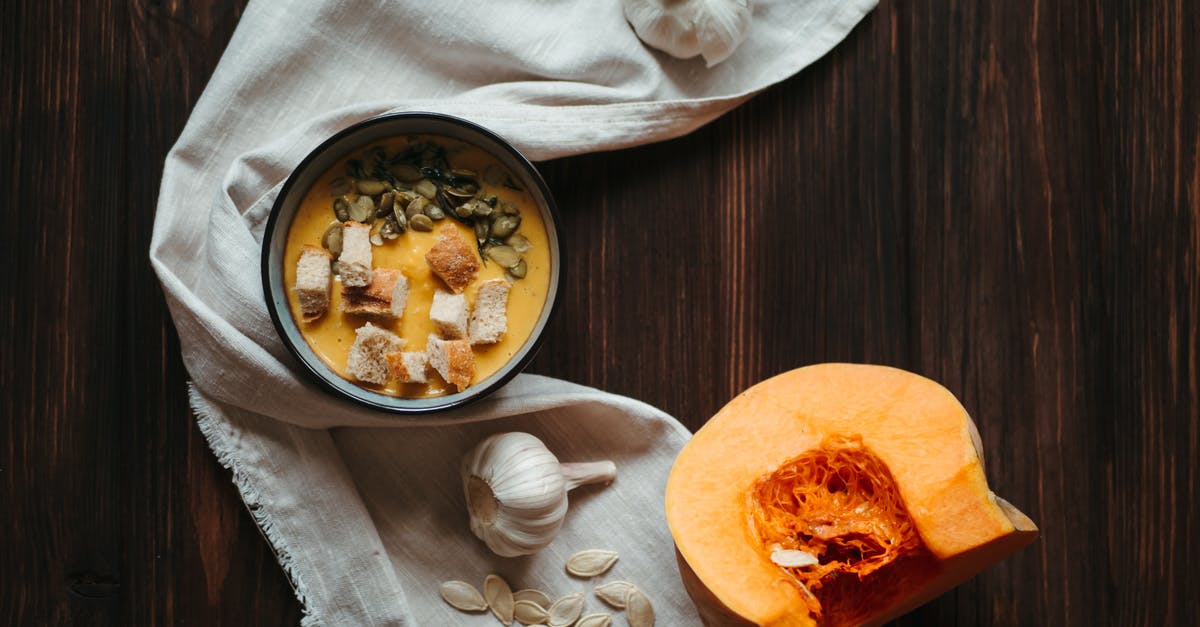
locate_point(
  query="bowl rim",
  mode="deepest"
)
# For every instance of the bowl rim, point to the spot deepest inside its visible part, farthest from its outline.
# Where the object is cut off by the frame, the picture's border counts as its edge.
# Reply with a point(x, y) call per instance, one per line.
point(322, 373)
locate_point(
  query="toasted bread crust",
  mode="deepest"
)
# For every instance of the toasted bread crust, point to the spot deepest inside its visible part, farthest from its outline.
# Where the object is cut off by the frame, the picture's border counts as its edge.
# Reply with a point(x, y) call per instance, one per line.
point(313, 279)
point(381, 298)
point(453, 360)
point(408, 367)
point(453, 260)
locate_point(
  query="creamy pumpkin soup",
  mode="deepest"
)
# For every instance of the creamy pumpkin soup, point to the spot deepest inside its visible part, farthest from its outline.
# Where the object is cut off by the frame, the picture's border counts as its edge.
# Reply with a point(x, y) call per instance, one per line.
point(417, 266)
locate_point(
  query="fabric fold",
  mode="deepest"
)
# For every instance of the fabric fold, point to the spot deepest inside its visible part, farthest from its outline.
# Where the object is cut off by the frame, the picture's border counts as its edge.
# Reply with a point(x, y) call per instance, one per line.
point(363, 508)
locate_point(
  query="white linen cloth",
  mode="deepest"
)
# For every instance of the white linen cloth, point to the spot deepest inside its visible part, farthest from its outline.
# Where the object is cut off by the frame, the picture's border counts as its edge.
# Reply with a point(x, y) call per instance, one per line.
point(364, 509)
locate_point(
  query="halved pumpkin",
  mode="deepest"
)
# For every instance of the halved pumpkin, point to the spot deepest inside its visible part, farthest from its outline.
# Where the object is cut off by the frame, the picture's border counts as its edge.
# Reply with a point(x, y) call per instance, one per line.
point(836, 494)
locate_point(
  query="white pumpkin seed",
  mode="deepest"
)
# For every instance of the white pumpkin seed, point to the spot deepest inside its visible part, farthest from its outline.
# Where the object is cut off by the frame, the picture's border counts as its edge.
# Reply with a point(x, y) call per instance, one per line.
point(530, 613)
point(537, 596)
point(793, 558)
point(638, 609)
point(595, 620)
point(614, 593)
point(591, 563)
point(566, 610)
point(463, 596)
point(499, 597)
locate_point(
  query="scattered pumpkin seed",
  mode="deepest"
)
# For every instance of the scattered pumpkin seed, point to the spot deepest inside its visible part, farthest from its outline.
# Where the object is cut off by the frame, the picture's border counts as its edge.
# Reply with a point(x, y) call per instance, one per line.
point(566, 610)
point(406, 173)
point(520, 243)
point(595, 620)
point(529, 613)
point(614, 593)
point(370, 188)
point(434, 212)
point(421, 222)
point(638, 610)
point(332, 239)
point(341, 209)
point(463, 596)
point(339, 186)
point(518, 271)
point(363, 209)
point(537, 596)
point(591, 563)
point(426, 188)
point(499, 597)
point(505, 256)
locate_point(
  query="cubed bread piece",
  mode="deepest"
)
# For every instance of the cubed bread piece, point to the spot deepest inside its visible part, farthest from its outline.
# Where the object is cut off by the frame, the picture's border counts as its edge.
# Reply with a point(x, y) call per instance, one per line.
point(453, 359)
point(313, 278)
point(409, 366)
point(386, 296)
point(489, 319)
point(367, 360)
point(449, 314)
point(453, 260)
point(355, 259)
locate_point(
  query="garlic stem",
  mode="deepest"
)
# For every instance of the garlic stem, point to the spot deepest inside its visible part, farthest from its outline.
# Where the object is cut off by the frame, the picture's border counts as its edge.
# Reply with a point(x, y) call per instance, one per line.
point(586, 473)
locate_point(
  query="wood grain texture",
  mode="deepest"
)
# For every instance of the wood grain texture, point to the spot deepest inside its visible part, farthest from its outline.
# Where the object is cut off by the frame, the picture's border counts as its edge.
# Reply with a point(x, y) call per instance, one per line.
point(1004, 197)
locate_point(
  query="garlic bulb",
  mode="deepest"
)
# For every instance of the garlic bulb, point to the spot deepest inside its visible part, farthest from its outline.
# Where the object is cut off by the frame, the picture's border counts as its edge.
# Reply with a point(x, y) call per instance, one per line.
point(686, 28)
point(517, 491)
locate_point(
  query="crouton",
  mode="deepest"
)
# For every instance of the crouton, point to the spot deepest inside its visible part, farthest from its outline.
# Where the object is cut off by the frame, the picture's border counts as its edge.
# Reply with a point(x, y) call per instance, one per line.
point(386, 296)
point(355, 259)
point(453, 260)
point(453, 359)
point(489, 319)
point(449, 314)
point(409, 366)
point(313, 278)
point(367, 361)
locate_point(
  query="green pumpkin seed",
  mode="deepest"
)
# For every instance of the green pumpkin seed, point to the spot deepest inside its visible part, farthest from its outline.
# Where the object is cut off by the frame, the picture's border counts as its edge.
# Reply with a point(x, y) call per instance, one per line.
point(363, 209)
point(426, 188)
point(386, 202)
point(464, 210)
point(504, 226)
point(416, 207)
point(520, 243)
point(482, 209)
point(390, 229)
point(420, 222)
point(370, 188)
point(400, 218)
point(518, 271)
point(407, 173)
point(503, 255)
point(339, 186)
point(341, 209)
point(434, 212)
point(481, 230)
point(332, 239)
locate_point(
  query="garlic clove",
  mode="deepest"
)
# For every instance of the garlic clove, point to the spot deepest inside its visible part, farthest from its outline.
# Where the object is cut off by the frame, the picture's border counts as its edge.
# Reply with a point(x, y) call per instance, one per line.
point(686, 28)
point(516, 491)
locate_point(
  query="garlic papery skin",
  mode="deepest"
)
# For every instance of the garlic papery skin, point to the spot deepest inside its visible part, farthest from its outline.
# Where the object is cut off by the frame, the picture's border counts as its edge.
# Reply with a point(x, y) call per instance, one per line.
point(516, 491)
point(686, 28)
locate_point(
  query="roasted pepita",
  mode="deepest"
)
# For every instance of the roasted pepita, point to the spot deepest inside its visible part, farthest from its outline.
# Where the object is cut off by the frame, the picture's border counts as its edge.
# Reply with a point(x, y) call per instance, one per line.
point(520, 243)
point(363, 209)
point(420, 222)
point(520, 270)
point(426, 188)
point(370, 188)
point(505, 226)
point(503, 255)
point(416, 207)
point(341, 209)
point(332, 238)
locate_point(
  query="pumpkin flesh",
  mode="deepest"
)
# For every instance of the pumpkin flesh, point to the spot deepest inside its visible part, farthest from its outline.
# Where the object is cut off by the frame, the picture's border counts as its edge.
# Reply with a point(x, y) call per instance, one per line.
point(872, 469)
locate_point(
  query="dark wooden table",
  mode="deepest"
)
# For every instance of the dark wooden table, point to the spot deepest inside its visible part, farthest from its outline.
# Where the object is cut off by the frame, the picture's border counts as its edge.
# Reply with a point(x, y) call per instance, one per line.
point(1003, 196)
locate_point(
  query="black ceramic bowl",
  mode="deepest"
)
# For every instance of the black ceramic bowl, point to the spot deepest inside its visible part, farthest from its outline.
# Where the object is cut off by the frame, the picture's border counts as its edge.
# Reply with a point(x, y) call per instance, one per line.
point(338, 147)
